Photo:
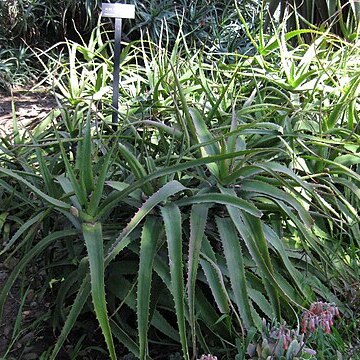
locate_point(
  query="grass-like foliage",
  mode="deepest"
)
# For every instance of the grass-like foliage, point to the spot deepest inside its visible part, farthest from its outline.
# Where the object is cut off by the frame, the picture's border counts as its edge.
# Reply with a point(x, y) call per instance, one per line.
point(341, 16)
point(227, 193)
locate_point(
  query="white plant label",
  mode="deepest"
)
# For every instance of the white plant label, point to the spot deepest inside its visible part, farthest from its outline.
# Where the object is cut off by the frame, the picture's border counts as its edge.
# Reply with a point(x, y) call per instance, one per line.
point(116, 10)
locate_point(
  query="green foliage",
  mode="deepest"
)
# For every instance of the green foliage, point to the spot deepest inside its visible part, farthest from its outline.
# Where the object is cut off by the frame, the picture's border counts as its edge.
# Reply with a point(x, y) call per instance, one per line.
point(217, 200)
point(35, 21)
point(17, 67)
point(214, 24)
point(341, 16)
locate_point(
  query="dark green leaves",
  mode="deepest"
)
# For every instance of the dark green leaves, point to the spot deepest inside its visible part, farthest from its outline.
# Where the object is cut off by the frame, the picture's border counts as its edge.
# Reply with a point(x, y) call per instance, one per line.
point(172, 220)
point(95, 248)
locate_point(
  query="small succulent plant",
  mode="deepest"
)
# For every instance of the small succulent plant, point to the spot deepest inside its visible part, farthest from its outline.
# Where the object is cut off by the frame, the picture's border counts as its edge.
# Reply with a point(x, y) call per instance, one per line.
point(208, 357)
point(320, 315)
point(279, 342)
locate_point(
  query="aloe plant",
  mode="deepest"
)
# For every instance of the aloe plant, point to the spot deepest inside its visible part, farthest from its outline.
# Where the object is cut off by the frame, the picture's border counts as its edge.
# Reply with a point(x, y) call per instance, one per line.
point(213, 204)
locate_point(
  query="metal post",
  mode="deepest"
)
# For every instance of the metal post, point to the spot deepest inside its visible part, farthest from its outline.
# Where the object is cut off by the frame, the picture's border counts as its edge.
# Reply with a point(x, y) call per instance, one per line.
point(119, 12)
point(116, 75)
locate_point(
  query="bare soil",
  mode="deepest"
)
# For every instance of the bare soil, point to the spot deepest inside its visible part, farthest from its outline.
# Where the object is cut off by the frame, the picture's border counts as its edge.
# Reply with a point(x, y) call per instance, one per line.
point(30, 108)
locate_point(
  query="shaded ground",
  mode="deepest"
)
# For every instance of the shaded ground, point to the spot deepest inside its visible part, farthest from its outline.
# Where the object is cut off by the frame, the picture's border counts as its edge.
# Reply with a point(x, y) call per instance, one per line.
point(30, 108)
point(9, 314)
point(19, 337)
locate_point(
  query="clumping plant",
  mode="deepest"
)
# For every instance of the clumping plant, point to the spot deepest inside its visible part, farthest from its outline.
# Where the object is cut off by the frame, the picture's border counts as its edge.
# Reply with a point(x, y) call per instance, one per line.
point(320, 315)
point(280, 342)
point(208, 357)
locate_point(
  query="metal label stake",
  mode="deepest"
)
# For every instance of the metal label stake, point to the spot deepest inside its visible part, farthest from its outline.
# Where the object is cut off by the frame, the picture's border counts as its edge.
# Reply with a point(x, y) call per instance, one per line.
point(119, 12)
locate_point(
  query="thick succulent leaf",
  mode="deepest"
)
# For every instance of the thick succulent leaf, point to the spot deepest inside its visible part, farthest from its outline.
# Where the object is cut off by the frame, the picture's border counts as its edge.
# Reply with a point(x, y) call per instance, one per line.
point(45, 173)
point(85, 159)
point(275, 168)
point(306, 232)
point(172, 220)
point(203, 133)
point(255, 230)
point(97, 194)
point(198, 219)
point(235, 265)
point(278, 245)
point(185, 108)
point(214, 276)
point(67, 187)
point(66, 289)
point(4, 185)
point(206, 312)
point(75, 311)
point(80, 190)
point(149, 238)
point(125, 291)
point(351, 90)
point(79, 302)
point(125, 339)
point(204, 136)
point(252, 234)
point(92, 233)
point(166, 191)
point(260, 300)
point(135, 166)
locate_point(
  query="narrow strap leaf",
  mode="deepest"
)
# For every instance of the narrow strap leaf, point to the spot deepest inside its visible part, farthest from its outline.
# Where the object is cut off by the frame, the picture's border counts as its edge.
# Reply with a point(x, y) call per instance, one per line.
point(29, 256)
point(24, 228)
point(224, 199)
point(85, 160)
point(135, 166)
point(117, 197)
point(80, 191)
point(75, 311)
point(55, 202)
